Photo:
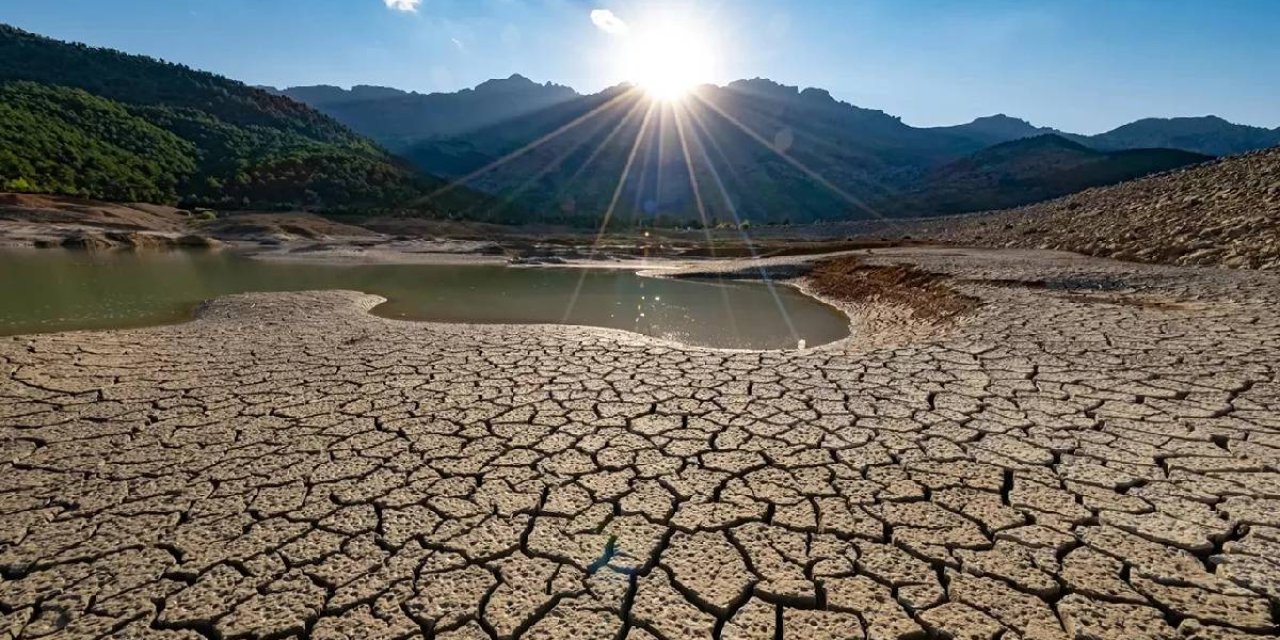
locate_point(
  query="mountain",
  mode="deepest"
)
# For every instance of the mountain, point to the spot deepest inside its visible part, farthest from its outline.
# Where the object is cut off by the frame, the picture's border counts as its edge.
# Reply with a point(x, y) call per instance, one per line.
point(759, 150)
point(996, 129)
point(1208, 134)
point(755, 150)
point(396, 118)
point(83, 121)
point(762, 151)
point(324, 95)
point(1223, 213)
point(1030, 170)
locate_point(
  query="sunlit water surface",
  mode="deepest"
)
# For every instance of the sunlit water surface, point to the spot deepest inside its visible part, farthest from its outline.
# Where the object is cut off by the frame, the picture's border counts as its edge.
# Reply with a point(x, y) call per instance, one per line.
point(55, 290)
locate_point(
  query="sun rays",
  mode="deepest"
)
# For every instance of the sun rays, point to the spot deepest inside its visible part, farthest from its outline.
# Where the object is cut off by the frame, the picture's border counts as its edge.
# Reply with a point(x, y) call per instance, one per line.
point(649, 123)
point(665, 124)
point(671, 138)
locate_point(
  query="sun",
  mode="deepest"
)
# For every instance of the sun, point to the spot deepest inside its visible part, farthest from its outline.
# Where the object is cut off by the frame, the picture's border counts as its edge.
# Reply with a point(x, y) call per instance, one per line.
point(668, 61)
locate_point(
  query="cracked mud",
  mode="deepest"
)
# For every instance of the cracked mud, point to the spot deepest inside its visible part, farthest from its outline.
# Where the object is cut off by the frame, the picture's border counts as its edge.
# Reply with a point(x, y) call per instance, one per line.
point(1057, 465)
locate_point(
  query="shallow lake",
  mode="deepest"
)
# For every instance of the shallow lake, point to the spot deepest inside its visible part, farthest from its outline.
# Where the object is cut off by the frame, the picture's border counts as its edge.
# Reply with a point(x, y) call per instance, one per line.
point(57, 290)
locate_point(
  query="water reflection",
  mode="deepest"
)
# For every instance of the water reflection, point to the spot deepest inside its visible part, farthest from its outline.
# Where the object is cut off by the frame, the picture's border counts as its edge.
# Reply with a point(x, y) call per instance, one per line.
point(57, 290)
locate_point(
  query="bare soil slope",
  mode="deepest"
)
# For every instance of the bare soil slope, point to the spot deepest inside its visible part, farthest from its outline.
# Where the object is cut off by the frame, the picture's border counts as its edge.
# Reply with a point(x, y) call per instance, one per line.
point(47, 220)
point(45, 209)
point(246, 226)
point(1225, 213)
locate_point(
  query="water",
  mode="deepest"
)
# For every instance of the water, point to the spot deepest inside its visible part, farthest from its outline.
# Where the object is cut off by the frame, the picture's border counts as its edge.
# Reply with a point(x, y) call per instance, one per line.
point(55, 290)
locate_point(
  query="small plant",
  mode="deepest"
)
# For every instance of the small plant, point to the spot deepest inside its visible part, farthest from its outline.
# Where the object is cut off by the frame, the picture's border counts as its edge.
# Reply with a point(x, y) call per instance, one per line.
point(19, 184)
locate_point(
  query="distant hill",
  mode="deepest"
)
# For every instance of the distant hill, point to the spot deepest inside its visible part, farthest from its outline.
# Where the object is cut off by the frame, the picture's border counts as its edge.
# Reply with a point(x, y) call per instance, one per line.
point(1222, 213)
point(83, 121)
point(396, 118)
point(1030, 170)
point(996, 129)
point(1208, 134)
point(325, 95)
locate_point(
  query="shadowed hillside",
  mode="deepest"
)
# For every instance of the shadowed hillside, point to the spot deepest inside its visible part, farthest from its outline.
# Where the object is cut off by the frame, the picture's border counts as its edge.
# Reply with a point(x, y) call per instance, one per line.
point(996, 129)
point(397, 118)
point(762, 152)
point(759, 151)
point(753, 150)
point(1208, 134)
point(1031, 170)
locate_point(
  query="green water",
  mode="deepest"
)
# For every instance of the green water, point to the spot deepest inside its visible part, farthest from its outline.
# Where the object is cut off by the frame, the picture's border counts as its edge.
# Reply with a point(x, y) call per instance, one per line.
point(55, 290)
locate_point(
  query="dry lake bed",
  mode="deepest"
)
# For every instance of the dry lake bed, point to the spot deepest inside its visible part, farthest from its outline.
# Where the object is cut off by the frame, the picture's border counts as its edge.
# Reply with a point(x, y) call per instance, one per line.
point(1094, 452)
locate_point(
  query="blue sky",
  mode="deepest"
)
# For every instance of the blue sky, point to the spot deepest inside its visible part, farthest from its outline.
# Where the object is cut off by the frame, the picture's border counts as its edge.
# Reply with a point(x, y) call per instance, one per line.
point(1079, 65)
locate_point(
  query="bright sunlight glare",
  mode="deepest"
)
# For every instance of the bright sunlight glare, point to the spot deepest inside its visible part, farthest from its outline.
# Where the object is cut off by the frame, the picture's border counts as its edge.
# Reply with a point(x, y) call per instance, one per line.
point(668, 61)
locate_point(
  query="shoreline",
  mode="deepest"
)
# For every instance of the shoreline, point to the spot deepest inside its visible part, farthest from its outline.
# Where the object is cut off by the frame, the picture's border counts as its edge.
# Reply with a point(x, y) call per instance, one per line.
point(871, 324)
point(643, 269)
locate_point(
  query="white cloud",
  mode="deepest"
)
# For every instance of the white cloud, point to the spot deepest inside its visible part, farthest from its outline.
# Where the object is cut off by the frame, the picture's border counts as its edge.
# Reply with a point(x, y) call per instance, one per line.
point(606, 21)
point(403, 5)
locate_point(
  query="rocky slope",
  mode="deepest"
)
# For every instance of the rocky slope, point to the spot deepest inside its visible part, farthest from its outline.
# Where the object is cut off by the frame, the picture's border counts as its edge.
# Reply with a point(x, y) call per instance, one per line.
point(1225, 213)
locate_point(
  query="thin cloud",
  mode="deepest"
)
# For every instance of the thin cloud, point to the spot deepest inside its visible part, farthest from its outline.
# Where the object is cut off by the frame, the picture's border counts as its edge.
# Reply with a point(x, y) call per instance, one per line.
point(403, 5)
point(458, 43)
point(608, 22)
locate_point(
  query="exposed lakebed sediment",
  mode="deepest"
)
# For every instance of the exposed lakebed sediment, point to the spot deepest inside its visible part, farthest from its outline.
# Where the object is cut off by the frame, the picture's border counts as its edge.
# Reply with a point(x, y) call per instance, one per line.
point(1092, 451)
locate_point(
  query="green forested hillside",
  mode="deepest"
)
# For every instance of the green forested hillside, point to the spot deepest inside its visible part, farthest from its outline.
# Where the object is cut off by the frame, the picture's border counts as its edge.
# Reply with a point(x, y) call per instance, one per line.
point(98, 123)
point(60, 140)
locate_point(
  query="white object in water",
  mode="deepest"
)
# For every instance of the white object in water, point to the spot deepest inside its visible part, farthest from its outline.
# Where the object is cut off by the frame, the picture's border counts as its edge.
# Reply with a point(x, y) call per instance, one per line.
point(801, 345)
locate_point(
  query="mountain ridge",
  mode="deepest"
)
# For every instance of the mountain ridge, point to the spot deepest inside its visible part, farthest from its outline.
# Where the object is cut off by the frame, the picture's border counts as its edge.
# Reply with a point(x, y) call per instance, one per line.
point(1178, 132)
point(396, 118)
point(1207, 134)
point(1034, 169)
point(778, 152)
point(749, 149)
